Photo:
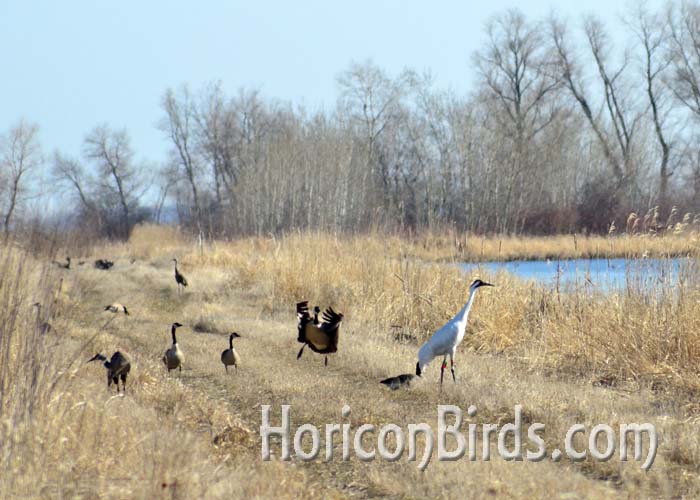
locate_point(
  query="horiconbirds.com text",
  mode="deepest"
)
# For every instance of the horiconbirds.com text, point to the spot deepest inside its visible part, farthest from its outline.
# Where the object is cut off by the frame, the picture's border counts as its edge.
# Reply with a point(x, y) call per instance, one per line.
point(513, 441)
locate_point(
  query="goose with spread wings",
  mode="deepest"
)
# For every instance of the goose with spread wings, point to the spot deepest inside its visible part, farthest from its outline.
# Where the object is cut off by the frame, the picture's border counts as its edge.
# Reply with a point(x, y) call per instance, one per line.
point(321, 337)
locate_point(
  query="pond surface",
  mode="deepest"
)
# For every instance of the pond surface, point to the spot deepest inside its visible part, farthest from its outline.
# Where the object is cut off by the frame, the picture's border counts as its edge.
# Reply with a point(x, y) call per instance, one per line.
point(604, 274)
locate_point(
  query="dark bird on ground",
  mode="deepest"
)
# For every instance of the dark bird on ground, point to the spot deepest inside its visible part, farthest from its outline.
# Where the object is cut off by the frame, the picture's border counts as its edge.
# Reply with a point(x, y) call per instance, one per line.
point(62, 265)
point(173, 357)
point(179, 279)
point(395, 383)
point(117, 308)
point(230, 357)
point(117, 367)
point(103, 264)
point(320, 337)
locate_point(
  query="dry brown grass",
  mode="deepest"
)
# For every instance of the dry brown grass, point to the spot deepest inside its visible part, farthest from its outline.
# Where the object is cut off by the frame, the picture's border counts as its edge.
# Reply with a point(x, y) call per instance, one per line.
point(62, 436)
point(449, 246)
point(646, 330)
point(197, 433)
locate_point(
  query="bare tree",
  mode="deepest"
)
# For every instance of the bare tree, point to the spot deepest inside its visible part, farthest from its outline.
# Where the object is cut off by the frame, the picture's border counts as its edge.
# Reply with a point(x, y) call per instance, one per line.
point(683, 21)
point(515, 68)
point(652, 33)
point(621, 112)
point(178, 124)
point(119, 178)
point(213, 133)
point(71, 173)
point(683, 50)
point(372, 101)
point(20, 154)
point(167, 178)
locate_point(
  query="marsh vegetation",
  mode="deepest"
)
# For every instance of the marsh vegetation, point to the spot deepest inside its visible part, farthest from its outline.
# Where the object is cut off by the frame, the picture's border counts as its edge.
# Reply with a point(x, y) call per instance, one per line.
point(578, 357)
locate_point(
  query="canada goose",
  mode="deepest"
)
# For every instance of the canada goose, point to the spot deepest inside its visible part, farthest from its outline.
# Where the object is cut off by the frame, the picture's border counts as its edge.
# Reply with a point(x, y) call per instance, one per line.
point(230, 356)
point(117, 367)
point(62, 265)
point(394, 383)
point(173, 357)
point(103, 264)
point(444, 342)
point(322, 337)
point(116, 308)
point(179, 279)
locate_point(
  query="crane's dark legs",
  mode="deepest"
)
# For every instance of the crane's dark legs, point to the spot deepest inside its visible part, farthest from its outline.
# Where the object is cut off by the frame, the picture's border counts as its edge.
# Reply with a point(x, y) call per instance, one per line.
point(452, 369)
point(301, 351)
point(442, 369)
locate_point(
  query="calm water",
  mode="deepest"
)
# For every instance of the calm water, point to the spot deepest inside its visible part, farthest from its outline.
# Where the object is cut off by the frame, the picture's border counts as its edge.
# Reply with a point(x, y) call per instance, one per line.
point(603, 274)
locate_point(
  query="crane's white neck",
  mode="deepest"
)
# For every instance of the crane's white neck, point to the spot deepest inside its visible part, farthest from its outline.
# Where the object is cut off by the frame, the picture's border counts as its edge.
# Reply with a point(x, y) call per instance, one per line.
point(462, 315)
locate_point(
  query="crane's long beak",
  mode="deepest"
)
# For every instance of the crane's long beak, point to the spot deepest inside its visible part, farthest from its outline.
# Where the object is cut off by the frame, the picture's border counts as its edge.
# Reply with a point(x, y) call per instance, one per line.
point(483, 283)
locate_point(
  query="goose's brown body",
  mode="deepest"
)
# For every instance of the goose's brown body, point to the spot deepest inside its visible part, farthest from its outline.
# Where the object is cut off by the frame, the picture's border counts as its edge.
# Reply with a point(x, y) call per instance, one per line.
point(118, 367)
point(230, 357)
point(117, 308)
point(320, 337)
point(173, 357)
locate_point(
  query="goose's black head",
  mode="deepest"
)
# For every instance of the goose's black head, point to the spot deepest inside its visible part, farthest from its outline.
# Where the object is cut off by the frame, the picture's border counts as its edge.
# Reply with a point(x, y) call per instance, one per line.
point(177, 325)
point(478, 283)
point(234, 335)
point(97, 357)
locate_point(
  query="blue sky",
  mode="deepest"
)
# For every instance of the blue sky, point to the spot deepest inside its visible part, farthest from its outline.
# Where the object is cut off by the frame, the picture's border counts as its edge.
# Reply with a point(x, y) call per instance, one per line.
point(70, 65)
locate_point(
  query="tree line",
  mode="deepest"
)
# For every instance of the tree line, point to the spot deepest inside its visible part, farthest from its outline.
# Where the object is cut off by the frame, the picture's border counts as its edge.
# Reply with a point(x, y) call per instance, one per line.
point(567, 129)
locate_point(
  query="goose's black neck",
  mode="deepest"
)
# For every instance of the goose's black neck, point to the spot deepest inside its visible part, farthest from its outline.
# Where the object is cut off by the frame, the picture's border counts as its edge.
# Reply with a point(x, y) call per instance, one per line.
point(172, 331)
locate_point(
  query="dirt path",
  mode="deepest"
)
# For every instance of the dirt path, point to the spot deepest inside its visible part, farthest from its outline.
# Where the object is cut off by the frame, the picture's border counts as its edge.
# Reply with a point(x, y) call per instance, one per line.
point(270, 374)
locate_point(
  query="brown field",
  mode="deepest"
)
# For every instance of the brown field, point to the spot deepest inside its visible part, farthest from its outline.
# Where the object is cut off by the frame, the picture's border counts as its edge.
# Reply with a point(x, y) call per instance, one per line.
point(580, 357)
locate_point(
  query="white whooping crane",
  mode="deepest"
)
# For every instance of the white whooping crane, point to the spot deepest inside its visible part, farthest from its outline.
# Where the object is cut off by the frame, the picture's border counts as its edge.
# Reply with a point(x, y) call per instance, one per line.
point(444, 342)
